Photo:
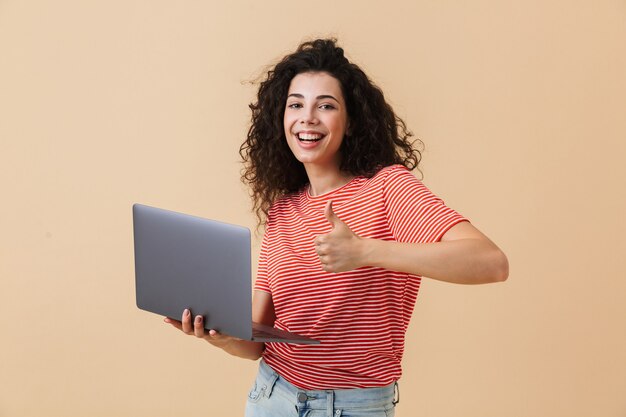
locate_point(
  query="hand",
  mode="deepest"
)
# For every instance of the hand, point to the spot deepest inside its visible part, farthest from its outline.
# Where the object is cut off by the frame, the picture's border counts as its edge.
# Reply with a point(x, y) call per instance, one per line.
point(197, 329)
point(340, 250)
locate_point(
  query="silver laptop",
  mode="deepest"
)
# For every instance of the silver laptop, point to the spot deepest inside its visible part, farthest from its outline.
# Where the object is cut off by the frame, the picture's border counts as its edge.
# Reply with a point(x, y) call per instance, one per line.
point(183, 261)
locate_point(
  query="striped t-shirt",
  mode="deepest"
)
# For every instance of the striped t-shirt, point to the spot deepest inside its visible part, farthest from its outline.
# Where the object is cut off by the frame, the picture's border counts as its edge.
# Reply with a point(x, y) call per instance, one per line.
point(360, 316)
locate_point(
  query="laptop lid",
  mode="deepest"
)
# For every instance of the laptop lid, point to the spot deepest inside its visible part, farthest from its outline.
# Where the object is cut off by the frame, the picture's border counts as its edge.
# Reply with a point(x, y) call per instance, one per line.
point(184, 261)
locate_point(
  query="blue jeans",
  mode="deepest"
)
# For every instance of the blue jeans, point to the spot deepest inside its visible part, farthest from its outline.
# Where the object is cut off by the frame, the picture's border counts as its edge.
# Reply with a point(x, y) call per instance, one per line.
point(272, 396)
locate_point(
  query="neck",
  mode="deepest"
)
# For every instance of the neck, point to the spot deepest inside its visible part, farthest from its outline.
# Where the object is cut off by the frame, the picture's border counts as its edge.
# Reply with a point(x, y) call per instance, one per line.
point(325, 179)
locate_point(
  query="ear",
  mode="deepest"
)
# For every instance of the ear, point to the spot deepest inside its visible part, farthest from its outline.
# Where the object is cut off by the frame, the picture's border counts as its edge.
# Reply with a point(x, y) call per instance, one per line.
point(348, 128)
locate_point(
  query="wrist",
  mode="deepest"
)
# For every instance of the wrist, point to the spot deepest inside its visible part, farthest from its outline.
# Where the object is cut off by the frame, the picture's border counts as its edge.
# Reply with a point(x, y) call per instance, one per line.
point(372, 252)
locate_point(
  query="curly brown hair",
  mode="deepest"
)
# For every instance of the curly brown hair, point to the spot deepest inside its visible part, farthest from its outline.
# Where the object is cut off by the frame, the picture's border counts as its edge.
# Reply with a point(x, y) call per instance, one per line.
point(378, 138)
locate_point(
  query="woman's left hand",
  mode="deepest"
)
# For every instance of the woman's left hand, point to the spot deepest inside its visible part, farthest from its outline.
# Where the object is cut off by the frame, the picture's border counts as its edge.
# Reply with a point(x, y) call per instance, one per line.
point(341, 249)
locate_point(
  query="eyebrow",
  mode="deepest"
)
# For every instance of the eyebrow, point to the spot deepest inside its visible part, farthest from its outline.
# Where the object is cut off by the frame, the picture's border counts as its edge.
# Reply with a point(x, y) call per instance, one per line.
point(320, 97)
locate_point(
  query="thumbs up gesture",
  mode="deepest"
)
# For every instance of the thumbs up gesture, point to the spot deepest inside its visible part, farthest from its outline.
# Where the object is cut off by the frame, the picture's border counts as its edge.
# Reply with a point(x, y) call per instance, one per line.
point(340, 250)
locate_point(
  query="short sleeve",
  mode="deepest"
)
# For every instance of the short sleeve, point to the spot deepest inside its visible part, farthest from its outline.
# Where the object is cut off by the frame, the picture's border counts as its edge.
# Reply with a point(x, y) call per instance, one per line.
point(262, 281)
point(414, 213)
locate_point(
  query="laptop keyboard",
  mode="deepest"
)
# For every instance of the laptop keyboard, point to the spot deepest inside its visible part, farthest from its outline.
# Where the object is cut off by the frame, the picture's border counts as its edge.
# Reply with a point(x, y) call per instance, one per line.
point(263, 334)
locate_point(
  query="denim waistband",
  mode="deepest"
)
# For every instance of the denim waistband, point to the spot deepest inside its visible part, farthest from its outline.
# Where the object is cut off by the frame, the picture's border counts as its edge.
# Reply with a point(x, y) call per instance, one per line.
point(322, 399)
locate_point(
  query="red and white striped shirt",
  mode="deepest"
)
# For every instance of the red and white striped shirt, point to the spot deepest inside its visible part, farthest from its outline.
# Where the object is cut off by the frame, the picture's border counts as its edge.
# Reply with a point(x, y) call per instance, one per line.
point(360, 316)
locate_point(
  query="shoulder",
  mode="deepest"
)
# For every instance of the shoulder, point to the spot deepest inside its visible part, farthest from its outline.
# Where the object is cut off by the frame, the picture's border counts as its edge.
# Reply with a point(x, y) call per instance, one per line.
point(393, 171)
point(388, 178)
point(395, 174)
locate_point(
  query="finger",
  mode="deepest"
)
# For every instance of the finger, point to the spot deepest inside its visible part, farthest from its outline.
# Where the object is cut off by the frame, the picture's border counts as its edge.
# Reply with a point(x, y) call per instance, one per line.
point(320, 242)
point(330, 214)
point(218, 338)
point(186, 322)
point(214, 335)
point(174, 323)
point(198, 327)
point(328, 263)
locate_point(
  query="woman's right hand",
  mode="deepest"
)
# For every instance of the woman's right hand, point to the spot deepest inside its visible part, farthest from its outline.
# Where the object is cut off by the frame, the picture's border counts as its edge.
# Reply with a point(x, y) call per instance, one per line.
point(262, 312)
point(196, 328)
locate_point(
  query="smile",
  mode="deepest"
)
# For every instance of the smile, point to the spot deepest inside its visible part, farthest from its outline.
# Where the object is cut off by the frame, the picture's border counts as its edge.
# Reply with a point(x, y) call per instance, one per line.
point(309, 137)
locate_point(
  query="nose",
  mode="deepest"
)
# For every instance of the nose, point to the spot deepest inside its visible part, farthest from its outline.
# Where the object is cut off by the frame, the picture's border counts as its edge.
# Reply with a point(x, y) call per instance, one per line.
point(308, 117)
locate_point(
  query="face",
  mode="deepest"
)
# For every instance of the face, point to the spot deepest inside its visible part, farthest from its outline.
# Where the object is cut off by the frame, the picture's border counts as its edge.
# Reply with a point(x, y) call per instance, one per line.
point(315, 119)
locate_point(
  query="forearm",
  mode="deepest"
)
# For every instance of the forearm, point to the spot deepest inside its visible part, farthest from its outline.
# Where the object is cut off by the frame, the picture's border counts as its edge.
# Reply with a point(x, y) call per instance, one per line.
point(244, 349)
point(463, 261)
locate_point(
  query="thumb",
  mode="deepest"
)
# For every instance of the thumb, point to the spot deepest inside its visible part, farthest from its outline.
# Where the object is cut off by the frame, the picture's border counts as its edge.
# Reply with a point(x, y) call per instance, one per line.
point(331, 216)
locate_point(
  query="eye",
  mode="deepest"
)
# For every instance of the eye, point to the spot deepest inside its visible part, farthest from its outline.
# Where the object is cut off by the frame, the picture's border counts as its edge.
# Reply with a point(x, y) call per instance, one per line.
point(327, 107)
point(294, 105)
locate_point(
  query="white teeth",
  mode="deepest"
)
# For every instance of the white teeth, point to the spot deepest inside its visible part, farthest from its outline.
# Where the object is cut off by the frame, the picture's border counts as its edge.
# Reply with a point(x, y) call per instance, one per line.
point(309, 136)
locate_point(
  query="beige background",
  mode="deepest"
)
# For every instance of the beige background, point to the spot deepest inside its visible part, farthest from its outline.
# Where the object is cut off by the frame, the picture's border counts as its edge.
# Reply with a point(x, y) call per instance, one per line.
point(105, 103)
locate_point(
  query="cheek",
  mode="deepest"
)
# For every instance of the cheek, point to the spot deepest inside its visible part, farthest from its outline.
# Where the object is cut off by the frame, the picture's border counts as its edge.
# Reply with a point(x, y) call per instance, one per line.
point(339, 128)
point(287, 124)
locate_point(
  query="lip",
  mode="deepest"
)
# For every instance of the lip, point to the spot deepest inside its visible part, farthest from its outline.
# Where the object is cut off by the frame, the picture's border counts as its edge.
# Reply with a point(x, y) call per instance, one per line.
point(310, 132)
point(303, 144)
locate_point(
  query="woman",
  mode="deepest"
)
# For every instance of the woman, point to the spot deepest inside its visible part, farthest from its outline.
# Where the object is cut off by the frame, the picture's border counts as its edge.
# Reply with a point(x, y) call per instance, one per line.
point(349, 231)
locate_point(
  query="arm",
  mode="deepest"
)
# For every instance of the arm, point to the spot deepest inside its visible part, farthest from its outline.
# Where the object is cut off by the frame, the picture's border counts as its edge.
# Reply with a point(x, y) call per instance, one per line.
point(262, 312)
point(463, 256)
